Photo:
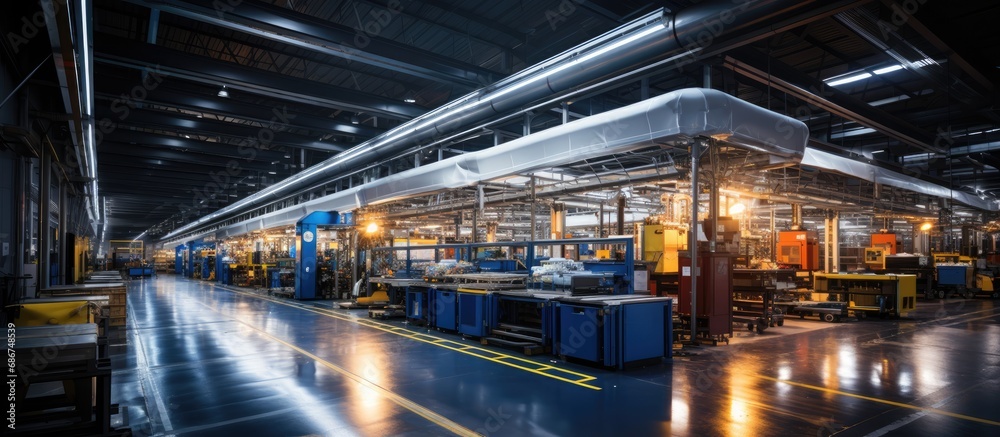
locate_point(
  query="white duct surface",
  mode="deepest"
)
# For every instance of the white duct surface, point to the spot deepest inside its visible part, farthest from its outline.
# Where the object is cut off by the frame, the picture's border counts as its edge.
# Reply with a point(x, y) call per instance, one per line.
point(674, 117)
point(884, 176)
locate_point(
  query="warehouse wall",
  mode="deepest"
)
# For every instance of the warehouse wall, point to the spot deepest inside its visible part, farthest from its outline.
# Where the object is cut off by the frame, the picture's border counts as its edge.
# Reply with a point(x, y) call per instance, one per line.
point(8, 115)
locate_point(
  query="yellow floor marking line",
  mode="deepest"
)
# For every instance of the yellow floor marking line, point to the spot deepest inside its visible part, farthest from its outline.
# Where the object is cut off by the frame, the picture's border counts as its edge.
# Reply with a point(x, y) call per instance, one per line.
point(576, 378)
point(396, 398)
point(883, 401)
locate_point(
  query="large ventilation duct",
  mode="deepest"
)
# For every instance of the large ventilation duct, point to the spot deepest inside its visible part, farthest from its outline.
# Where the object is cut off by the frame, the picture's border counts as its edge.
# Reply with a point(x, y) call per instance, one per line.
point(654, 37)
point(676, 117)
point(875, 174)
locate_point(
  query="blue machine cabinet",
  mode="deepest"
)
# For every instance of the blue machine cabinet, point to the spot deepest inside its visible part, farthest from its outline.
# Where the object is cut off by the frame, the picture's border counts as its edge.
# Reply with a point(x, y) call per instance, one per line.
point(445, 309)
point(615, 331)
point(473, 308)
point(418, 305)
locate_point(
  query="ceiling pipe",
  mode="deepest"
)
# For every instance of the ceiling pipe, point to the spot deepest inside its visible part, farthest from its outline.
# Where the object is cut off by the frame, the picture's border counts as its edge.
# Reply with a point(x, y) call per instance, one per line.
point(71, 40)
point(655, 36)
point(674, 117)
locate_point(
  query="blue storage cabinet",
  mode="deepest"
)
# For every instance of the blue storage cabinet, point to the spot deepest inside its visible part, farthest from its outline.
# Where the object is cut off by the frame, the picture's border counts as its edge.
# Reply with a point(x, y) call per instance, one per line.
point(615, 332)
point(951, 275)
point(445, 309)
point(473, 309)
point(582, 333)
point(418, 305)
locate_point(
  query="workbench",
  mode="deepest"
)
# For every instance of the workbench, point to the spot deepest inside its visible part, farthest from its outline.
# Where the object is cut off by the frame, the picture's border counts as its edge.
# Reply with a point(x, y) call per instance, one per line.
point(72, 358)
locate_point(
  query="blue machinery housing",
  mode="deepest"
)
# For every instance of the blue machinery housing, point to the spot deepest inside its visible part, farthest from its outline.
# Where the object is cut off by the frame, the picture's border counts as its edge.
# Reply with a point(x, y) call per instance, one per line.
point(615, 330)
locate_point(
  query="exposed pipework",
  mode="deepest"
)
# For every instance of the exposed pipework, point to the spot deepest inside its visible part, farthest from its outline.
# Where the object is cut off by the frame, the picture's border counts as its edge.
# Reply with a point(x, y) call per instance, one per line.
point(674, 117)
point(71, 40)
point(656, 36)
point(796, 217)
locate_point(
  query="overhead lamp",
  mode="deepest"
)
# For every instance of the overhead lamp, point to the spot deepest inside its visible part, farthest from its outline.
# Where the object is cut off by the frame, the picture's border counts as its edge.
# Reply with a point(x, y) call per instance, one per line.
point(355, 119)
point(223, 92)
point(889, 69)
point(849, 79)
point(737, 209)
point(372, 228)
point(926, 227)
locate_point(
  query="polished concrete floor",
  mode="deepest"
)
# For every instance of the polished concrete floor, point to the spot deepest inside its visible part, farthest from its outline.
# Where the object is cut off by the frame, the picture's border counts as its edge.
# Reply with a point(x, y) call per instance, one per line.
point(199, 359)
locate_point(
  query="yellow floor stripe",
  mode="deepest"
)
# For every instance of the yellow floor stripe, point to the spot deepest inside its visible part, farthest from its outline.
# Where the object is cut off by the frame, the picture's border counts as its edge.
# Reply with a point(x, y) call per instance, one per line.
point(520, 363)
point(883, 401)
point(398, 399)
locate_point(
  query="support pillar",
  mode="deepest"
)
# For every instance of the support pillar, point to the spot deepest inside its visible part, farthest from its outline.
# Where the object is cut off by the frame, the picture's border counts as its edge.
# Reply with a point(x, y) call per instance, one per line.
point(179, 260)
point(534, 218)
point(44, 183)
point(558, 228)
point(189, 270)
point(621, 216)
point(306, 252)
point(693, 237)
point(835, 224)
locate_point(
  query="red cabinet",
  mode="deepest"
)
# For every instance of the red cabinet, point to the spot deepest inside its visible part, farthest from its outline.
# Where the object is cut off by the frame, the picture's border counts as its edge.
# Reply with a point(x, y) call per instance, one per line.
point(714, 292)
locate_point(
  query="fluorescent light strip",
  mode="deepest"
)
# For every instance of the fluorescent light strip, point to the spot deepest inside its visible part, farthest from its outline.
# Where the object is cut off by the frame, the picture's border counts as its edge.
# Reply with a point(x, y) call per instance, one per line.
point(865, 75)
point(850, 79)
point(889, 69)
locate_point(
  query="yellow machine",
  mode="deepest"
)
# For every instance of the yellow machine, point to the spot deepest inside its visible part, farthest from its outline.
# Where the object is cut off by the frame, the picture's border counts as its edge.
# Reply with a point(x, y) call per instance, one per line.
point(378, 297)
point(883, 295)
point(985, 285)
point(875, 257)
point(951, 257)
point(661, 244)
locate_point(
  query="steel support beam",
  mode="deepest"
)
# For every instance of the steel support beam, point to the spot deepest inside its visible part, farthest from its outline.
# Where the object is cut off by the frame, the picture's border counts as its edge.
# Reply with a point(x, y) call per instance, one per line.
point(113, 150)
point(814, 94)
point(171, 93)
point(140, 55)
point(244, 152)
point(278, 135)
point(311, 33)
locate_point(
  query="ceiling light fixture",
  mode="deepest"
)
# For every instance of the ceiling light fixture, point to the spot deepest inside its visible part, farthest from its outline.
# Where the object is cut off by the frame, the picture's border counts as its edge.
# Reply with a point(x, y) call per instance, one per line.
point(355, 119)
point(889, 69)
point(849, 79)
point(223, 92)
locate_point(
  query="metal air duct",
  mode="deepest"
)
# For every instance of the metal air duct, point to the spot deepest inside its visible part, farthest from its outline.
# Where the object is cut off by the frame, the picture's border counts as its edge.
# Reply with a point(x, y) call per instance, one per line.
point(677, 117)
point(656, 36)
point(875, 174)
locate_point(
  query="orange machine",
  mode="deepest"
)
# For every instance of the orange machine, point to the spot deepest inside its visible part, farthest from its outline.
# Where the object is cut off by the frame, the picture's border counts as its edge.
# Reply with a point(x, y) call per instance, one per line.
point(799, 249)
point(888, 241)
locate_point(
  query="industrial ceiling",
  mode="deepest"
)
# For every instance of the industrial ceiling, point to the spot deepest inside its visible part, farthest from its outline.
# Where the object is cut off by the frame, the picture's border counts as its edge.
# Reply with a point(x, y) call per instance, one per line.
point(209, 102)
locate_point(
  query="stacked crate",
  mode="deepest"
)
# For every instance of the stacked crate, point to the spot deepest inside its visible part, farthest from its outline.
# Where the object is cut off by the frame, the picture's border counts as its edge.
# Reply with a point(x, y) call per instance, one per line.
point(116, 307)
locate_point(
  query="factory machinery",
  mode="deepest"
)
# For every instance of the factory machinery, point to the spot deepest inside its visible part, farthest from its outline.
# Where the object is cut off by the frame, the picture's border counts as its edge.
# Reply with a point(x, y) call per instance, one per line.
point(578, 309)
point(940, 275)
